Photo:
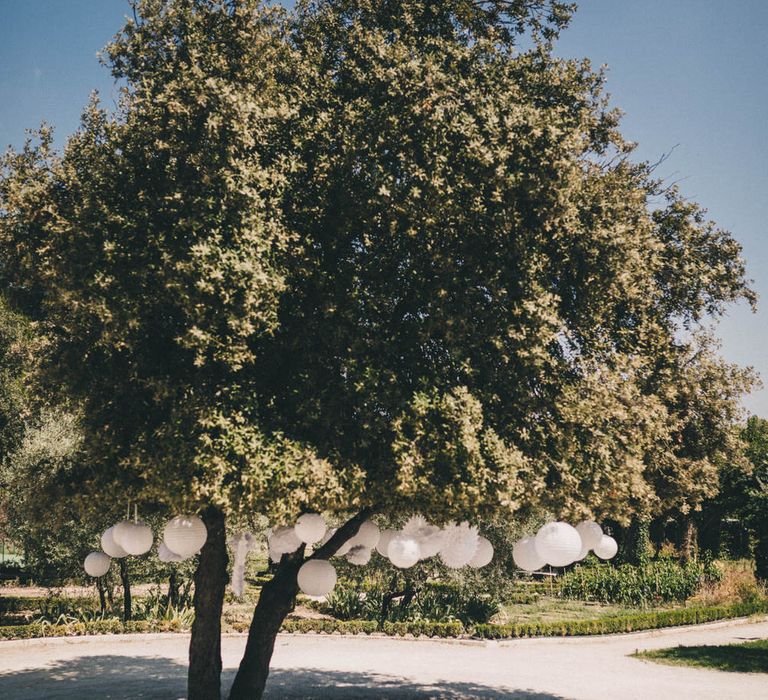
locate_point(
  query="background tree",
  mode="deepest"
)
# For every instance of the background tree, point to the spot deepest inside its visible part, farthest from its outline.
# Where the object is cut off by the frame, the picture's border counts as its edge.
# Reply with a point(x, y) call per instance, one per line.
point(367, 257)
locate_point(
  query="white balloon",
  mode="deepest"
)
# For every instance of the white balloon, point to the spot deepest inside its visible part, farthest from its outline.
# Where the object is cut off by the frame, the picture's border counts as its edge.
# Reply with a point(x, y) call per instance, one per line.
point(317, 577)
point(96, 564)
point(403, 551)
point(384, 539)
point(525, 555)
point(166, 556)
point(483, 555)
point(310, 528)
point(135, 538)
point(558, 544)
point(459, 545)
point(367, 535)
point(590, 533)
point(607, 547)
point(359, 555)
point(110, 547)
point(185, 535)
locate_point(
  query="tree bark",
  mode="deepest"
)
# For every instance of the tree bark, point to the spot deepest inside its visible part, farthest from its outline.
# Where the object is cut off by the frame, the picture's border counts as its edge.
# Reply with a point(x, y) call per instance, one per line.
point(275, 602)
point(204, 677)
point(173, 590)
point(126, 581)
point(689, 544)
point(102, 595)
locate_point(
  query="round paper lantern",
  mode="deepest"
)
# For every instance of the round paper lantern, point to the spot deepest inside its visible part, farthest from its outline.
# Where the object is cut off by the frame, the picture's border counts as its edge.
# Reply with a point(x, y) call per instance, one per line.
point(310, 528)
point(367, 535)
point(525, 555)
point(120, 530)
point(185, 535)
point(359, 555)
point(558, 544)
point(317, 577)
point(385, 537)
point(431, 541)
point(459, 545)
point(96, 564)
point(166, 556)
point(590, 533)
point(583, 553)
point(483, 555)
point(607, 547)
point(284, 540)
point(136, 539)
point(111, 547)
point(403, 551)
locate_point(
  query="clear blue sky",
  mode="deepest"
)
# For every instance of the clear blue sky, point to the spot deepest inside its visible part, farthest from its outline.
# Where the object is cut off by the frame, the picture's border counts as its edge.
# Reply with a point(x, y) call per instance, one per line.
point(690, 73)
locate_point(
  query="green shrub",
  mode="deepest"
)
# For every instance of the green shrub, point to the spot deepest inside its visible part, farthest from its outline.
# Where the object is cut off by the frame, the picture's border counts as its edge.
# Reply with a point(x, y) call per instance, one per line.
point(659, 582)
point(620, 623)
point(424, 628)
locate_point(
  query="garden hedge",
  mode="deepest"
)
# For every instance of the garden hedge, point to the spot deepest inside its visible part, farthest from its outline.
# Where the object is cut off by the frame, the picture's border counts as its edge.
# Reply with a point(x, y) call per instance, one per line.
point(652, 619)
point(607, 625)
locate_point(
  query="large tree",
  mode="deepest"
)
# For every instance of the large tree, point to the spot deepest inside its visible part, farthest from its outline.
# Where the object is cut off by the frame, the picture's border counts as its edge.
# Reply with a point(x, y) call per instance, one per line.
point(364, 257)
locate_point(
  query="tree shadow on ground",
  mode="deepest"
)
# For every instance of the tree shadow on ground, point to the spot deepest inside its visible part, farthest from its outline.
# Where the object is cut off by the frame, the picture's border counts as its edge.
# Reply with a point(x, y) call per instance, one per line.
point(115, 677)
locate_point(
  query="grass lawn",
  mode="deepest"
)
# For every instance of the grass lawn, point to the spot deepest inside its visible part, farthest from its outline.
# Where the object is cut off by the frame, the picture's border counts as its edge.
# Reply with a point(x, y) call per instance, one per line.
point(748, 657)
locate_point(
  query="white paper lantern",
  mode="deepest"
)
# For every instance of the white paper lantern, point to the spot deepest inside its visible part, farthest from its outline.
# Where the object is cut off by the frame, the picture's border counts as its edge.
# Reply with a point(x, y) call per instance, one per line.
point(317, 577)
point(185, 535)
point(525, 555)
point(403, 551)
point(607, 547)
point(367, 535)
point(111, 547)
point(310, 528)
point(274, 556)
point(459, 545)
point(136, 539)
point(385, 538)
point(590, 533)
point(483, 555)
point(359, 555)
point(558, 544)
point(96, 564)
point(429, 537)
point(166, 556)
point(284, 540)
point(120, 530)
point(583, 553)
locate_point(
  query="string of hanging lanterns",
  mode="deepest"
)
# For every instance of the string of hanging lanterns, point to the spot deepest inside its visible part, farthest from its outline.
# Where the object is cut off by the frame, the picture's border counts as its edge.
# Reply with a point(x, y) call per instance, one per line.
point(183, 537)
point(561, 544)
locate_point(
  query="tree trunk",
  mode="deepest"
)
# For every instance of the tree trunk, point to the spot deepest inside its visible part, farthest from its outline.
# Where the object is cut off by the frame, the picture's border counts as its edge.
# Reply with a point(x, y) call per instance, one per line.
point(102, 596)
point(173, 590)
point(761, 550)
point(204, 678)
point(275, 602)
point(126, 581)
point(689, 543)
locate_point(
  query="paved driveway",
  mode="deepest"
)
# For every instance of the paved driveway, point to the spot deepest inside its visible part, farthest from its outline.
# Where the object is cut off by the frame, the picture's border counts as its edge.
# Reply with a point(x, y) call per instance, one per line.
point(309, 666)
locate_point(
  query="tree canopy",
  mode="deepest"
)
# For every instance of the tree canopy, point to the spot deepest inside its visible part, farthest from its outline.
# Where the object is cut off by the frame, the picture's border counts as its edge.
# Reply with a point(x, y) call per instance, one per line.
point(364, 253)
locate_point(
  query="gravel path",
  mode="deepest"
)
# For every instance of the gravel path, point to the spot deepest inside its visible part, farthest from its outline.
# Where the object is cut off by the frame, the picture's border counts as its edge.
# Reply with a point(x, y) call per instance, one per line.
point(309, 666)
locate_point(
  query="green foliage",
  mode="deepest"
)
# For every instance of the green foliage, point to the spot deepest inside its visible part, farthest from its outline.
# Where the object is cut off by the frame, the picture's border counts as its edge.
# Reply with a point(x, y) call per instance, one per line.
point(620, 624)
point(476, 309)
point(659, 582)
point(431, 602)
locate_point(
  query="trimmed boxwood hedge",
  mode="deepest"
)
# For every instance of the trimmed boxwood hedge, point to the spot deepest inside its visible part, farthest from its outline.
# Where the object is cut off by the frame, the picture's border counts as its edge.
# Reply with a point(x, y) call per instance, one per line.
point(606, 625)
point(10, 604)
point(79, 629)
point(653, 619)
